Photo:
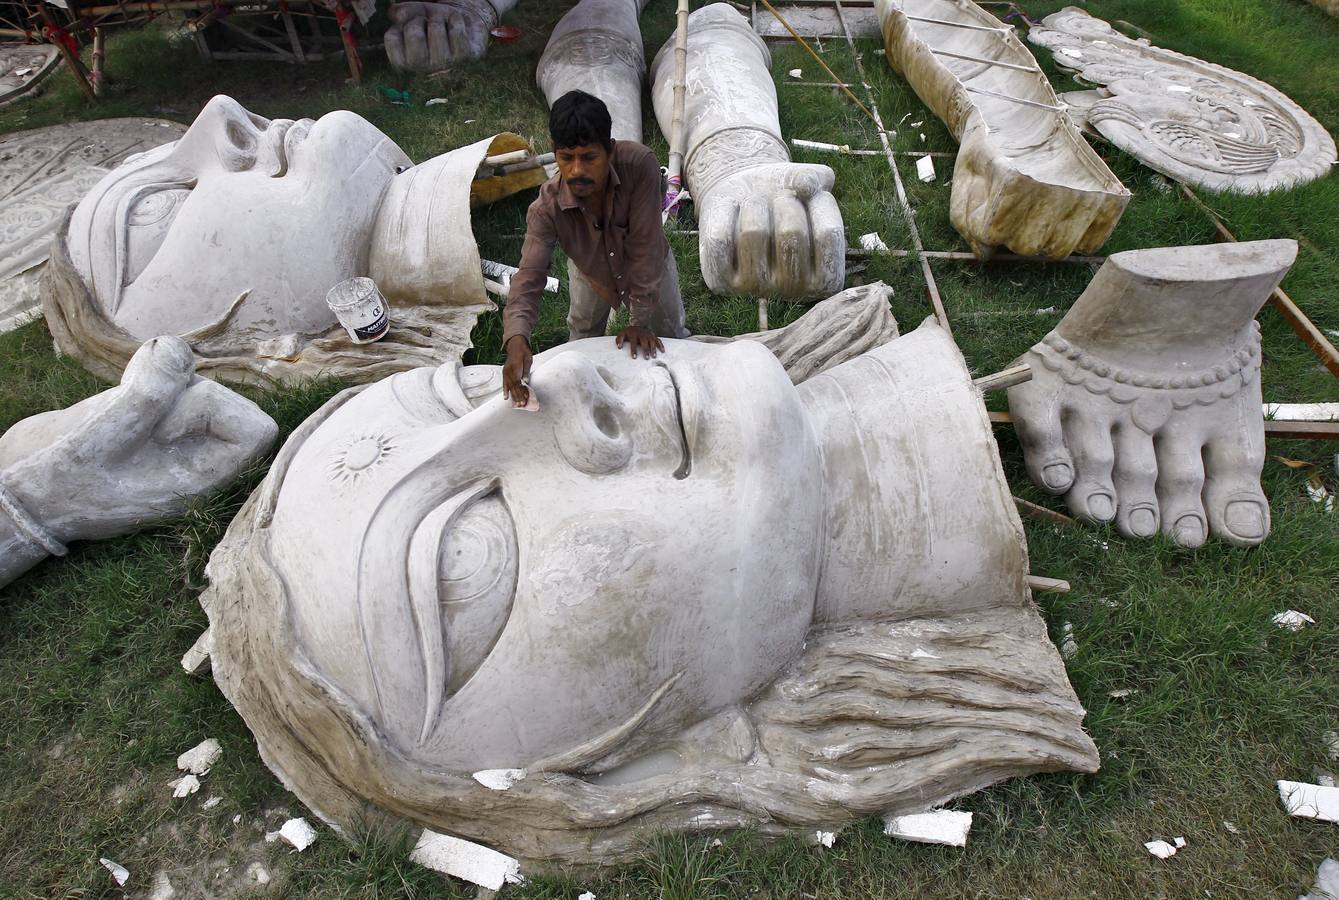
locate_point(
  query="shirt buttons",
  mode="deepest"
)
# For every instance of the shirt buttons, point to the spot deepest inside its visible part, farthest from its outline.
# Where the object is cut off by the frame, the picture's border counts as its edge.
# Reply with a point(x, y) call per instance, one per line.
point(620, 277)
point(611, 252)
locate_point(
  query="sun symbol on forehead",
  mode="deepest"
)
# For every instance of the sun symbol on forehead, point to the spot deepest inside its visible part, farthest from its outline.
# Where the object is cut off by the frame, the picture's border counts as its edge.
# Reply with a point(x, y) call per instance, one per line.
point(357, 455)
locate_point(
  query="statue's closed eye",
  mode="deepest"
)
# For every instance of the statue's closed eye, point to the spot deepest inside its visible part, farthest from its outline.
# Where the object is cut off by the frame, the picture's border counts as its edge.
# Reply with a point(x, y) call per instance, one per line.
point(476, 581)
point(147, 225)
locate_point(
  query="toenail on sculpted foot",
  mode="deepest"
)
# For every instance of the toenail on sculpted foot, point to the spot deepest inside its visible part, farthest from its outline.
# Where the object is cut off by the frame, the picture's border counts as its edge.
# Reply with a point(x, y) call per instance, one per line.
point(1058, 476)
point(1143, 522)
point(1189, 531)
point(1101, 507)
point(1245, 519)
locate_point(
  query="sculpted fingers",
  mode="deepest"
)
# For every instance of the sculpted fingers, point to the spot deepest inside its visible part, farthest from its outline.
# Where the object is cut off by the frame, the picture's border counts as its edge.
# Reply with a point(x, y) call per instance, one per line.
point(828, 239)
point(414, 34)
point(393, 40)
point(716, 244)
point(441, 40)
point(153, 380)
point(794, 254)
point(807, 180)
point(753, 244)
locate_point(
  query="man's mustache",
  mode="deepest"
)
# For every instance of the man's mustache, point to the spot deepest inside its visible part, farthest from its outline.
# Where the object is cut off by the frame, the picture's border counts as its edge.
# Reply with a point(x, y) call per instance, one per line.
point(588, 181)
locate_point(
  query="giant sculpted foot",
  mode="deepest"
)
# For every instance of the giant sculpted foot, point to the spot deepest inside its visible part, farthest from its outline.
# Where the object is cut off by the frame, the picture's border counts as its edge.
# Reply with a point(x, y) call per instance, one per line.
point(1144, 405)
point(766, 225)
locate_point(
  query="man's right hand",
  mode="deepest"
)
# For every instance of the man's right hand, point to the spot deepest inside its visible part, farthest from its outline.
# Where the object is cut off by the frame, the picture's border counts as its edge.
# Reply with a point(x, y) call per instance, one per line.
point(516, 371)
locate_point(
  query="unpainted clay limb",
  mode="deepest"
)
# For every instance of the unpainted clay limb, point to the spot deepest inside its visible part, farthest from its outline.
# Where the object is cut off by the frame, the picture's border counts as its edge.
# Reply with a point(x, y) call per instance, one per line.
point(1145, 407)
point(128, 457)
point(766, 225)
point(1025, 178)
point(597, 48)
point(1200, 123)
point(428, 37)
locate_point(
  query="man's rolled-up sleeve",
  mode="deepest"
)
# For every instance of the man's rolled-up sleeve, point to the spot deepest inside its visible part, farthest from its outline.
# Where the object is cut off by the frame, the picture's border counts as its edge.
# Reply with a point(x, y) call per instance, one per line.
point(646, 247)
point(527, 285)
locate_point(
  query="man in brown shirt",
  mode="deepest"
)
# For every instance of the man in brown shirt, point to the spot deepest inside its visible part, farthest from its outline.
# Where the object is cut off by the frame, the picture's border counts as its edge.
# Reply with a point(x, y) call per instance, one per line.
point(603, 208)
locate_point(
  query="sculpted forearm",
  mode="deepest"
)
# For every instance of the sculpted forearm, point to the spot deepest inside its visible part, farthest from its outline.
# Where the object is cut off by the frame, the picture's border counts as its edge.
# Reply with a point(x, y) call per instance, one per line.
point(597, 48)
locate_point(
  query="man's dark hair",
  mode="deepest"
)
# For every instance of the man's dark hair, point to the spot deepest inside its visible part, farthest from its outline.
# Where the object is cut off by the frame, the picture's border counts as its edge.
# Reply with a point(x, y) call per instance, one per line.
point(577, 118)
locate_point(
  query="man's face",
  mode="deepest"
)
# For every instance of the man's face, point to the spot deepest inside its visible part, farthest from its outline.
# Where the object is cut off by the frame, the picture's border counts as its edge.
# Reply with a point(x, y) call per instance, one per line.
point(585, 168)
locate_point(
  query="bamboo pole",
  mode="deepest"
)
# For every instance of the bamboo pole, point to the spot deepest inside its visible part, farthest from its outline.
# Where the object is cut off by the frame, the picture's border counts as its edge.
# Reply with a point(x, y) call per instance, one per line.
point(71, 59)
point(674, 178)
point(99, 60)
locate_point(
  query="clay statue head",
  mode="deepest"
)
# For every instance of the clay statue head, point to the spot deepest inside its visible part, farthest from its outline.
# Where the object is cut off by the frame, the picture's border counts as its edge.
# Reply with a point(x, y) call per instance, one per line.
point(279, 208)
point(232, 236)
point(648, 589)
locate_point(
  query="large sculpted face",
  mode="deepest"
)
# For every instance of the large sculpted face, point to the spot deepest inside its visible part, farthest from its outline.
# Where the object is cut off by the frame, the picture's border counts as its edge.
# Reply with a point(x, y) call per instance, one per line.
point(279, 208)
point(495, 590)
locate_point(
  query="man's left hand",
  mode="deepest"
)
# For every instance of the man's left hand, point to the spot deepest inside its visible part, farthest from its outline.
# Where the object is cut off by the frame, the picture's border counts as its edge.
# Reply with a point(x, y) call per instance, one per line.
point(637, 336)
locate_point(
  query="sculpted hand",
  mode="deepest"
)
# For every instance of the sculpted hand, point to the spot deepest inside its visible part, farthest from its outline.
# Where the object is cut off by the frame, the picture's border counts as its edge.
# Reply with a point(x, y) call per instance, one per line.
point(516, 371)
point(773, 229)
point(133, 454)
point(637, 338)
point(428, 37)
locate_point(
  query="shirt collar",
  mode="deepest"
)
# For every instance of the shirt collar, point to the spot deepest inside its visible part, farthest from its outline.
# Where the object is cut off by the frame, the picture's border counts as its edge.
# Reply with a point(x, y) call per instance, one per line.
point(565, 198)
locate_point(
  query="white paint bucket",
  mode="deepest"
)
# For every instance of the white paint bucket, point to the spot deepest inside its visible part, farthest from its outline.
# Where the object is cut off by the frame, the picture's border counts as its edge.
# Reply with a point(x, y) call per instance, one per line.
point(360, 308)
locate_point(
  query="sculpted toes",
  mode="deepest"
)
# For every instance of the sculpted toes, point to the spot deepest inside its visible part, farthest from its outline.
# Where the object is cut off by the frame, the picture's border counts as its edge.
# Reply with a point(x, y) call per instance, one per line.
point(1088, 438)
point(1237, 508)
point(1135, 477)
point(1035, 407)
point(1180, 484)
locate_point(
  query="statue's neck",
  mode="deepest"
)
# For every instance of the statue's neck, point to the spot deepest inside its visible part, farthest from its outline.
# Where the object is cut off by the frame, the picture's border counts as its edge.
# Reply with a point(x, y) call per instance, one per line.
point(920, 519)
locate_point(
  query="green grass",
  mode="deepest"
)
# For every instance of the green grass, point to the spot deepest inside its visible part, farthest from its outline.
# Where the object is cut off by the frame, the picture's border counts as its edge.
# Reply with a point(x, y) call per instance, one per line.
point(94, 707)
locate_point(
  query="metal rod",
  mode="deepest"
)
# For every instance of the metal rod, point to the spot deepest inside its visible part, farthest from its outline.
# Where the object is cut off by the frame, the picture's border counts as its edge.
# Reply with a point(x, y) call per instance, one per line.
point(826, 84)
point(936, 302)
point(981, 59)
point(1022, 100)
point(970, 27)
point(962, 256)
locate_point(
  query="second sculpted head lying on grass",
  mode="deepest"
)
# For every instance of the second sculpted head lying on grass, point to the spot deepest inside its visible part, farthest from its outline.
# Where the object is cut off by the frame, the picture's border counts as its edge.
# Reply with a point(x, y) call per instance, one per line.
point(683, 594)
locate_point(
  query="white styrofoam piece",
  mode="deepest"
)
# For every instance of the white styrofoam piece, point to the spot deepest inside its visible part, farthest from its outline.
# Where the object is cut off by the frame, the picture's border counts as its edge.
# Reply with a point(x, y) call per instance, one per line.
point(119, 872)
point(298, 832)
point(184, 786)
point(873, 243)
point(499, 779)
point(197, 658)
point(1325, 779)
point(1293, 620)
point(1179, 843)
point(795, 73)
point(472, 862)
point(1160, 849)
point(1303, 412)
point(1230, 826)
point(1122, 693)
point(1310, 801)
point(940, 826)
point(925, 169)
point(587, 895)
point(1327, 882)
point(201, 758)
point(823, 838)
